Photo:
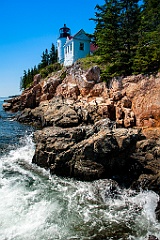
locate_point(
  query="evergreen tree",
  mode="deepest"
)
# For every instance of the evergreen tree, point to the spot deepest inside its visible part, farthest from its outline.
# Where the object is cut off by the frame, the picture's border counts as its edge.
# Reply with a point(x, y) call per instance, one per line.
point(23, 82)
point(106, 31)
point(150, 15)
point(147, 57)
point(45, 67)
point(116, 34)
point(53, 55)
point(28, 77)
point(107, 35)
point(129, 28)
point(45, 59)
point(35, 70)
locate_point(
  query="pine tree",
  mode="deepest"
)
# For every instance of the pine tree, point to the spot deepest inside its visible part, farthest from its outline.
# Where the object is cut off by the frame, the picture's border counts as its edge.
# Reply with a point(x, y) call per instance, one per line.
point(107, 34)
point(29, 78)
point(53, 55)
point(147, 57)
point(45, 66)
point(106, 31)
point(129, 28)
point(45, 59)
point(116, 34)
point(35, 70)
point(151, 15)
point(23, 82)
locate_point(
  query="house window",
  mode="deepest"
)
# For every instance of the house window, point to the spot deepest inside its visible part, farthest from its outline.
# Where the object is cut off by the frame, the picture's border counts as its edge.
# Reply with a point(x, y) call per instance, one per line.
point(81, 46)
point(71, 47)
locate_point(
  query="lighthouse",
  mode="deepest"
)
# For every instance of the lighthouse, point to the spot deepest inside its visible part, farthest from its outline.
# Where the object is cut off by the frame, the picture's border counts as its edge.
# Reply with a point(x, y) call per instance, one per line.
point(64, 32)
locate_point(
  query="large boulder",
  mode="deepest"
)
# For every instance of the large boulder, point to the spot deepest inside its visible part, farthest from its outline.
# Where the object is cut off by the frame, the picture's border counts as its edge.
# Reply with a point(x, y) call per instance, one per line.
point(145, 97)
point(101, 150)
point(148, 155)
point(87, 152)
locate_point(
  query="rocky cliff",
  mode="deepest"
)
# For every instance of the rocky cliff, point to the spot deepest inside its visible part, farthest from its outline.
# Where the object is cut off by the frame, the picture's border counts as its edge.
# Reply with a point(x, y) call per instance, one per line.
point(130, 101)
point(93, 129)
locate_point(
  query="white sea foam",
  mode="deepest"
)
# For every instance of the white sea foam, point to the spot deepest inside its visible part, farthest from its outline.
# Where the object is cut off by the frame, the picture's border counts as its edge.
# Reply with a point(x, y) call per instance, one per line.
point(35, 206)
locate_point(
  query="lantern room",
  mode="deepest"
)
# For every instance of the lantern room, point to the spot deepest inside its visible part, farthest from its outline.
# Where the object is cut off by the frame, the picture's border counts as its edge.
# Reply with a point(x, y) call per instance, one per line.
point(64, 31)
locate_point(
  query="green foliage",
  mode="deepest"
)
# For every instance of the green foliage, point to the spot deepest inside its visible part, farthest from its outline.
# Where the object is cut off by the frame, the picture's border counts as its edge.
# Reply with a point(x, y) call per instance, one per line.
point(63, 75)
point(127, 35)
point(49, 69)
point(27, 78)
point(53, 55)
point(147, 58)
point(90, 61)
point(47, 65)
point(107, 30)
point(45, 59)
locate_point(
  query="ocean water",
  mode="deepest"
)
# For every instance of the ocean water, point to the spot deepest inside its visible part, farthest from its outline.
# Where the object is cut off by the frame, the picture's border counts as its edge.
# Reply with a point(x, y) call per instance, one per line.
point(37, 206)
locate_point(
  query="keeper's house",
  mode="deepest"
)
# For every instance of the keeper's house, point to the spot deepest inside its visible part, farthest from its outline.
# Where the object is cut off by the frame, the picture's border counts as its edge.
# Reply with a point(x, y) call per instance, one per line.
point(71, 48)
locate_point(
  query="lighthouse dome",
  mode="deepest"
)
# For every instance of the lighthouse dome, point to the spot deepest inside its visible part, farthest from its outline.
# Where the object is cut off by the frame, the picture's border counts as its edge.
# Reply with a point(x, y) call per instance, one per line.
point(64, 32)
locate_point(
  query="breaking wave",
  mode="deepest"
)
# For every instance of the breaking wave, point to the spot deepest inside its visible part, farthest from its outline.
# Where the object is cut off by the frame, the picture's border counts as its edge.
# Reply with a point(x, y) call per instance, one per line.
point(35, 205)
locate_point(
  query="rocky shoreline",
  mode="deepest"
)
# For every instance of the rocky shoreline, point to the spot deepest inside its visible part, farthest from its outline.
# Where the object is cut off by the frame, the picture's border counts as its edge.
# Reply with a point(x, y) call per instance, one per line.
point(90, 129)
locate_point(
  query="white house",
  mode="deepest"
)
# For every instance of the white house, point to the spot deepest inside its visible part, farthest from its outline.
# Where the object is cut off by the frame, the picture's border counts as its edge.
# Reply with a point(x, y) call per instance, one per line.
point(71, 48)
point(76, 47)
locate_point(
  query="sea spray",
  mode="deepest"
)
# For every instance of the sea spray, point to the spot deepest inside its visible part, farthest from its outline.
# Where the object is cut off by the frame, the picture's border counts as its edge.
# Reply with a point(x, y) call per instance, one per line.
point(35, 205)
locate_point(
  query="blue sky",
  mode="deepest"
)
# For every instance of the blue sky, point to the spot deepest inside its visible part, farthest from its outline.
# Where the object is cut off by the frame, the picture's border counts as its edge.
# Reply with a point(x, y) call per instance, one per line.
point(28, 27)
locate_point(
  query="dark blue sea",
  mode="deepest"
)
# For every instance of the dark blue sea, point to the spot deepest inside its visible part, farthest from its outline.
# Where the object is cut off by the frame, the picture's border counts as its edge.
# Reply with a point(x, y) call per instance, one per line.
point(37, 206)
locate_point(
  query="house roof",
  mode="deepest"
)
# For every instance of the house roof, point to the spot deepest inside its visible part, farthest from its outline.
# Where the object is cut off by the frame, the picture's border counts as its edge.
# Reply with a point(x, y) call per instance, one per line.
point(79, 33)
point(76, 36)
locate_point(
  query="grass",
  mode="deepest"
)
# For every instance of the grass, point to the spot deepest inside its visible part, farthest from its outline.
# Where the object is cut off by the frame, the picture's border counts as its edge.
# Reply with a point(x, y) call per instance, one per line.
point(91, 61)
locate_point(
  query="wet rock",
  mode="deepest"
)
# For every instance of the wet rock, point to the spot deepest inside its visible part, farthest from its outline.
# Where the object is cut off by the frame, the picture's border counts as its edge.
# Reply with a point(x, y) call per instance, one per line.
point(105, 189)
point(88, 170)
point(7, 106)
point(158, 210)
point(86, 152)
point(146, 154)
point(151, 237)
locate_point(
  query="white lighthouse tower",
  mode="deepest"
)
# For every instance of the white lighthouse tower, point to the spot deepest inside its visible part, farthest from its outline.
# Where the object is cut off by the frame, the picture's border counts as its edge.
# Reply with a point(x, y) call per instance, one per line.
point(64, 33)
